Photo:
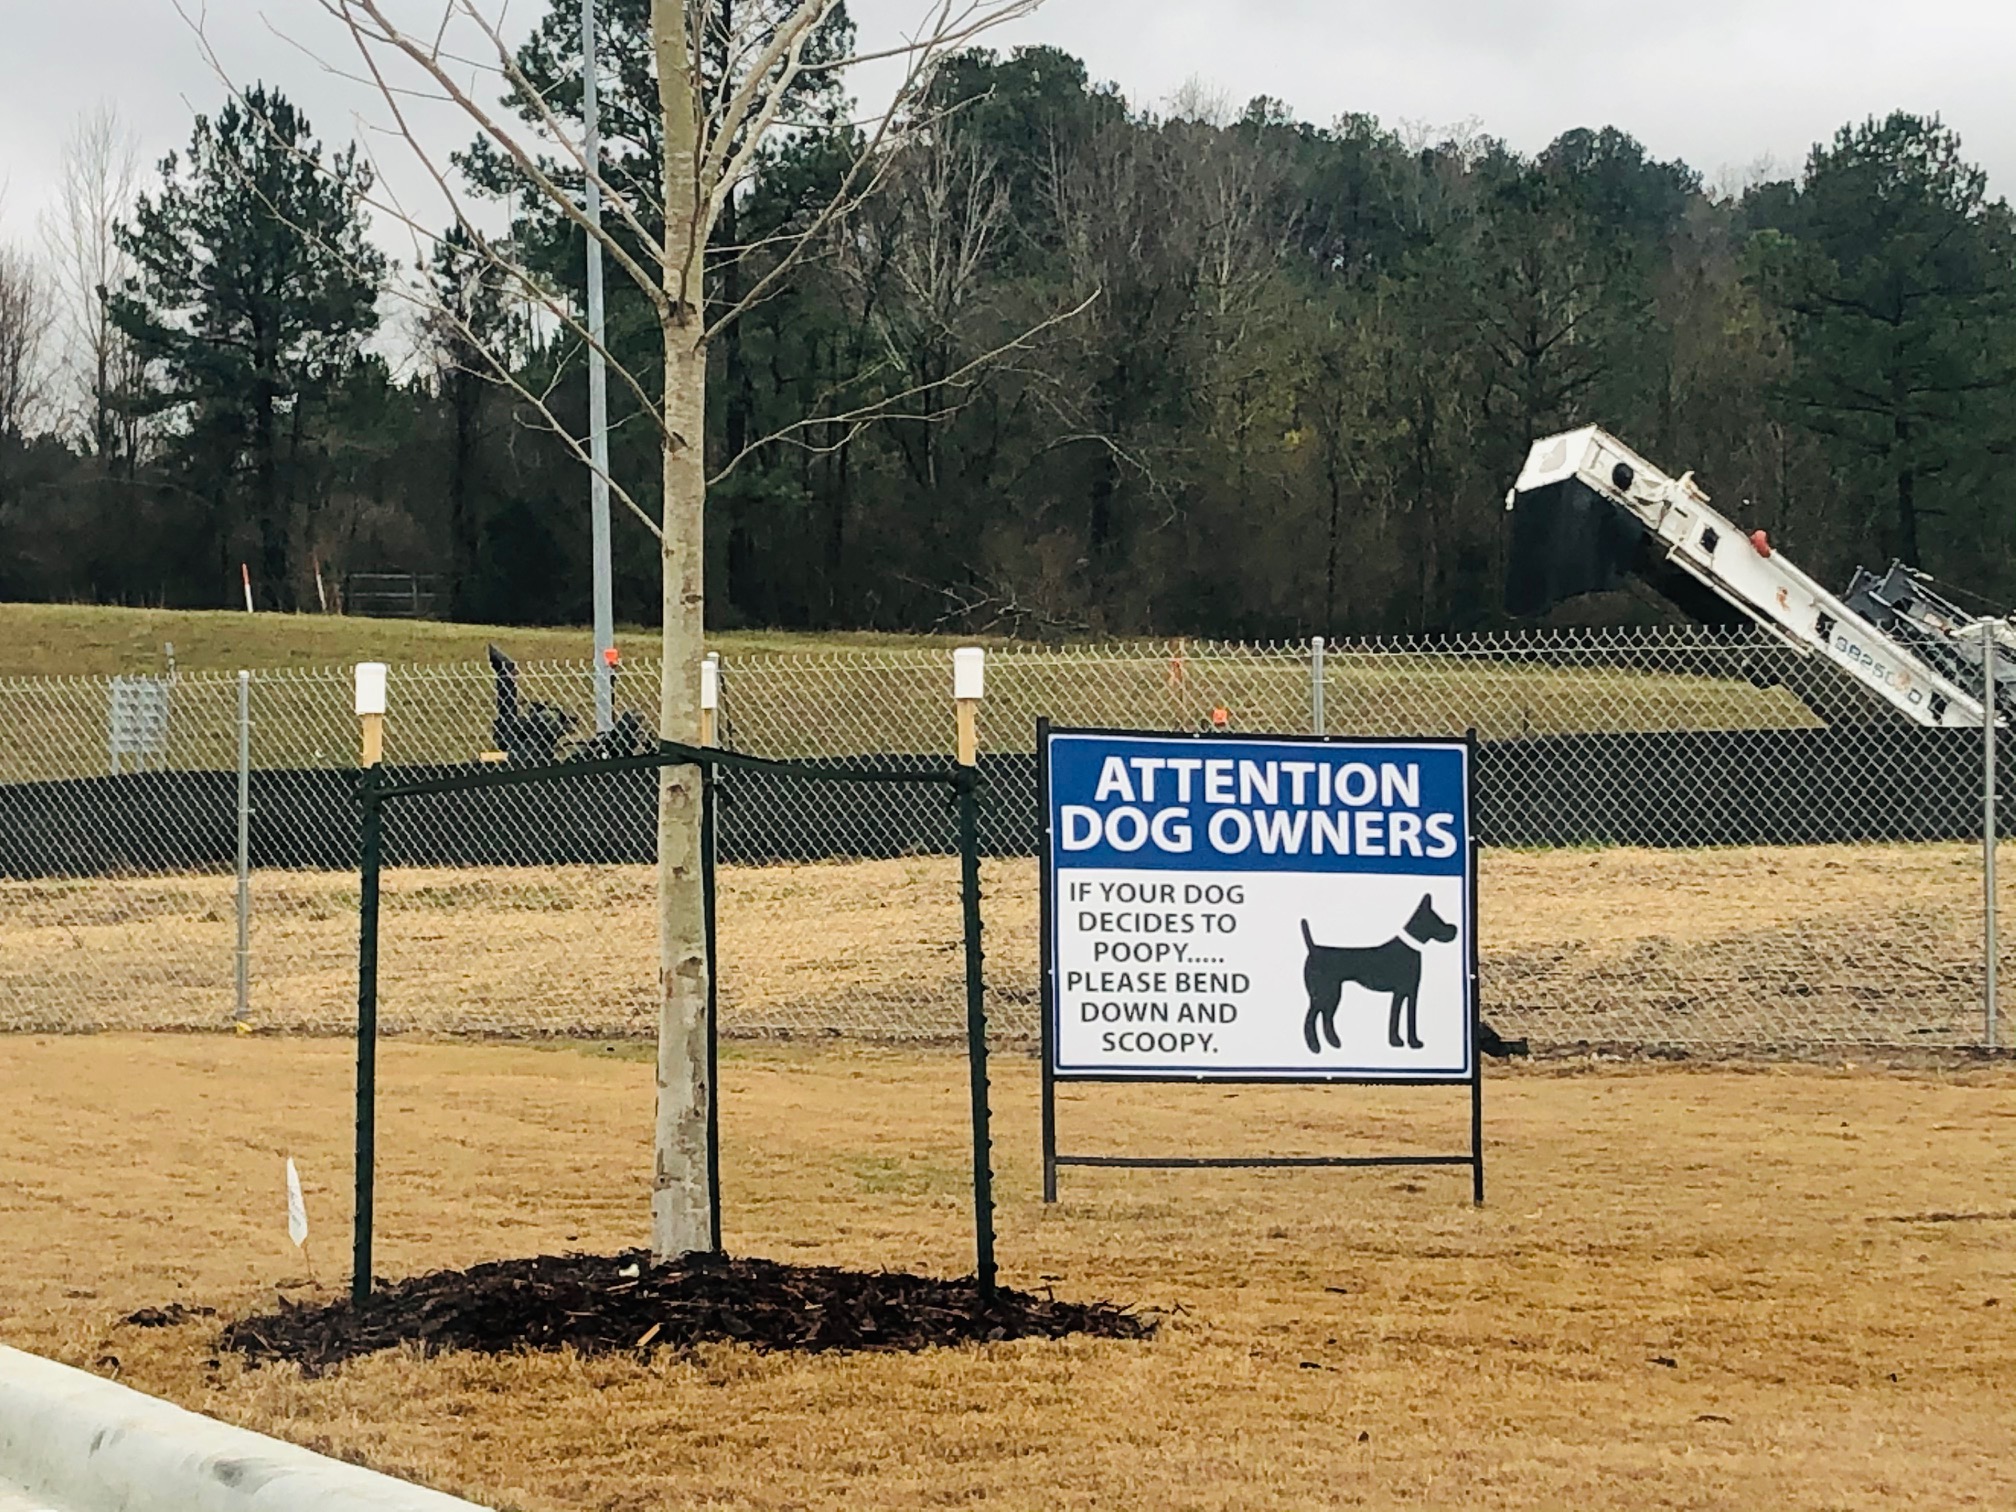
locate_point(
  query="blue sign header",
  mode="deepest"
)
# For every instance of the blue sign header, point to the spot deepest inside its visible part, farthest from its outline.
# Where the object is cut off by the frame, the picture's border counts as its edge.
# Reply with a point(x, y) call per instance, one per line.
point(1174, 803)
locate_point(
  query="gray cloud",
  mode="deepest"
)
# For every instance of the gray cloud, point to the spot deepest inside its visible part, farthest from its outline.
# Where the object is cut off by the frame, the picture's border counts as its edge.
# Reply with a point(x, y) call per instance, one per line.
point(1721, 83)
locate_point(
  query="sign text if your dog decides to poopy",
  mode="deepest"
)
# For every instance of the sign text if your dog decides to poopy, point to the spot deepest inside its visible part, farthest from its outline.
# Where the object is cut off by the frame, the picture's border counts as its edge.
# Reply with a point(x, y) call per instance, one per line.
point(1251, 908)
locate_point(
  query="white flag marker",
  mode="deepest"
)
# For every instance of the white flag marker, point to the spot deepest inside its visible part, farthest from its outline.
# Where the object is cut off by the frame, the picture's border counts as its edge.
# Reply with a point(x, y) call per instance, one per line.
point(297, 1210)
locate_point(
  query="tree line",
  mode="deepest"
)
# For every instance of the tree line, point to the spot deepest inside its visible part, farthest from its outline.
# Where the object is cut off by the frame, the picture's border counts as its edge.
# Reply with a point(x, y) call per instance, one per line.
point(1067, 366)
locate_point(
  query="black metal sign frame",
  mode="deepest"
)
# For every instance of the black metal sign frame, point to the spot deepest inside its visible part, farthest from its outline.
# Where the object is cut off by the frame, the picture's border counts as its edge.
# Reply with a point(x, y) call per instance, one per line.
point(1053, 1158)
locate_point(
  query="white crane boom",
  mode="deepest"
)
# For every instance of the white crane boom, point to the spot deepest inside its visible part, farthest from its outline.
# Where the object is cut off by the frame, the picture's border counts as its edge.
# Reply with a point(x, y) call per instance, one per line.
point(1594, 484)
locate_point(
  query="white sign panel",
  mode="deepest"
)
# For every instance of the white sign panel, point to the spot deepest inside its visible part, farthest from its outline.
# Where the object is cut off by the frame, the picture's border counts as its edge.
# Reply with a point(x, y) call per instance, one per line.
point(138, 722)
point(1258, 908)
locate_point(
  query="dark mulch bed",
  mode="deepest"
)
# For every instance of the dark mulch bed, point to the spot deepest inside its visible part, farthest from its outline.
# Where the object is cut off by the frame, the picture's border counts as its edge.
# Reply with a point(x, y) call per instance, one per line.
point(601, 1303)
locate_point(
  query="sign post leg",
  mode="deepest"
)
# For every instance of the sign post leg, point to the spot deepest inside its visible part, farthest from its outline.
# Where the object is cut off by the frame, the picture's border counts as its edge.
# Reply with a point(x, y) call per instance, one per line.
point(1476, 1007)
point(1477, 1130)
point(1047, 999)
point(1049, 1117)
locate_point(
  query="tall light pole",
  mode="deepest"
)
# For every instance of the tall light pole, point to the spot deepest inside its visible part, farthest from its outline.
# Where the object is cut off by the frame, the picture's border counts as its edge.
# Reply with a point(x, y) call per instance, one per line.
point(598, 392)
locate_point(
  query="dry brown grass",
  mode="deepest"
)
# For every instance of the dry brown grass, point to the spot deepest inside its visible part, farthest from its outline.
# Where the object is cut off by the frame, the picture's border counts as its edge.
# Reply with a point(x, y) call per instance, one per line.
point(1822, 1256)
point(1732, 948)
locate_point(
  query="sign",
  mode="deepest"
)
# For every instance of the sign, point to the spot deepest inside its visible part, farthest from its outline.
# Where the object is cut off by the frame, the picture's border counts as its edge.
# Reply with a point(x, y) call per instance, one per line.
point(1252, 908)
point(137, 722)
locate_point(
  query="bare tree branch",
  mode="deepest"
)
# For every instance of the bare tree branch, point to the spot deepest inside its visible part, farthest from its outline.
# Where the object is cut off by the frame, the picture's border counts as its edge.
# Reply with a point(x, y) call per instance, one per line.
point(963, 378)
point(26, 314)
point(99, 176)
point(384, 33)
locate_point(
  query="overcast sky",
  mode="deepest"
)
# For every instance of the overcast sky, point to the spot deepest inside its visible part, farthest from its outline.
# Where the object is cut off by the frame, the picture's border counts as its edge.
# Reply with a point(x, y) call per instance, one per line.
point(1720, 83)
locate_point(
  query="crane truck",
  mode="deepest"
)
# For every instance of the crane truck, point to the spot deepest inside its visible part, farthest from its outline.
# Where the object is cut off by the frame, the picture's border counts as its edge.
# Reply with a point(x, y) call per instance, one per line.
point(1588, 512)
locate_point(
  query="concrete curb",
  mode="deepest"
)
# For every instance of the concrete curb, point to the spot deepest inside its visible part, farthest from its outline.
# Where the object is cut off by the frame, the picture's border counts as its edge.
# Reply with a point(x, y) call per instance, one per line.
point(92, 1445)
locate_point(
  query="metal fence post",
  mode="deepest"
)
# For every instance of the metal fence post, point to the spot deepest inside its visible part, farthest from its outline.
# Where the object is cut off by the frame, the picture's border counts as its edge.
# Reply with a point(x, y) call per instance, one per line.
point(1989, 836)
point(1316, 684)
point(242, 1009)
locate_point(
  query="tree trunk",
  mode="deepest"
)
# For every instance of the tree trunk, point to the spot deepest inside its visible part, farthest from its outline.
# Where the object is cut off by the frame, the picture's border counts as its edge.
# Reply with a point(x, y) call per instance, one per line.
point(104, 418)
point(1331, 443)
point(681, 1199)
point(1427, 413)
point(1907, 493)
point(836, 531)
point(462, 401)
point(274, 587)
point(1907, 517)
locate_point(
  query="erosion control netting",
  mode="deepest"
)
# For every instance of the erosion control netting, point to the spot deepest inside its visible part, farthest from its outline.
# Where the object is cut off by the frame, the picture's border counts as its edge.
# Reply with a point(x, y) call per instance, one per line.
point(598, 1304)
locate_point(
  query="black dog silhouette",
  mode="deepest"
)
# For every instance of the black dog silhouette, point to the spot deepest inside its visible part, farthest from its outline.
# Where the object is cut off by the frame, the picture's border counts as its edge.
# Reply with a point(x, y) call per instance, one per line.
point(1394, 968)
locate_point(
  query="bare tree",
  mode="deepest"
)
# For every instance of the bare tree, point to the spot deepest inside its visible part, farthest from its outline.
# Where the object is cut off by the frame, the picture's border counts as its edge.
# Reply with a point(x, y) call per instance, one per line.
point(1227, 225)
point(96, 186)
point(24, 324)
point(916, 269)
point(726, 74)
point(1112, 206)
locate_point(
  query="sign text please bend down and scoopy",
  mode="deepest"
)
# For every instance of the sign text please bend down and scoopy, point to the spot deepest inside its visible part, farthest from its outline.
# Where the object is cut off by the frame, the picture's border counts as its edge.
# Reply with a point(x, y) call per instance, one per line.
point(1258, 908)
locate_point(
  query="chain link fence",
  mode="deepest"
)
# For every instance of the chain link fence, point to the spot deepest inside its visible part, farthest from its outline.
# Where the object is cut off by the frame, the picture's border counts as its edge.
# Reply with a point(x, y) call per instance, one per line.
point(1695, 842)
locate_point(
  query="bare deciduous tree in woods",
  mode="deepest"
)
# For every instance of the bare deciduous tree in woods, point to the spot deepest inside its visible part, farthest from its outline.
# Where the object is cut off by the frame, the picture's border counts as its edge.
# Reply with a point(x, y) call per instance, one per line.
point(726, 73)
point(98, 180)
point(916, 268)
point(24, 325)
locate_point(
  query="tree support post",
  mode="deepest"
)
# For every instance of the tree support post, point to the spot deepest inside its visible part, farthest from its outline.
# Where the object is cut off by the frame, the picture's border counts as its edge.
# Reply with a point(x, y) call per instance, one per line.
point(968, 687)
point(710, 699)
point(371, 742)
point(710, 799)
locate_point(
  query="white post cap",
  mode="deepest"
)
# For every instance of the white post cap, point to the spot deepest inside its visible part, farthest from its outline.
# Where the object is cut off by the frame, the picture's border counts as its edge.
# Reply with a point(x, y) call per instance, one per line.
point(710, 681)
point(370, 688)
point(969, 673)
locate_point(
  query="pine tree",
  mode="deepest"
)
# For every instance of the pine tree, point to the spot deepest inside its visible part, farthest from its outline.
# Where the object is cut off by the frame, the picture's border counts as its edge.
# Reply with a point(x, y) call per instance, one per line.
point(253, 291)
point(1898, 275)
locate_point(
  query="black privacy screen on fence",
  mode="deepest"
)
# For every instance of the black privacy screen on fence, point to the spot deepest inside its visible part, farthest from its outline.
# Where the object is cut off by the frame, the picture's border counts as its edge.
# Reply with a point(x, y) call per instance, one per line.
point(1678, 788)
